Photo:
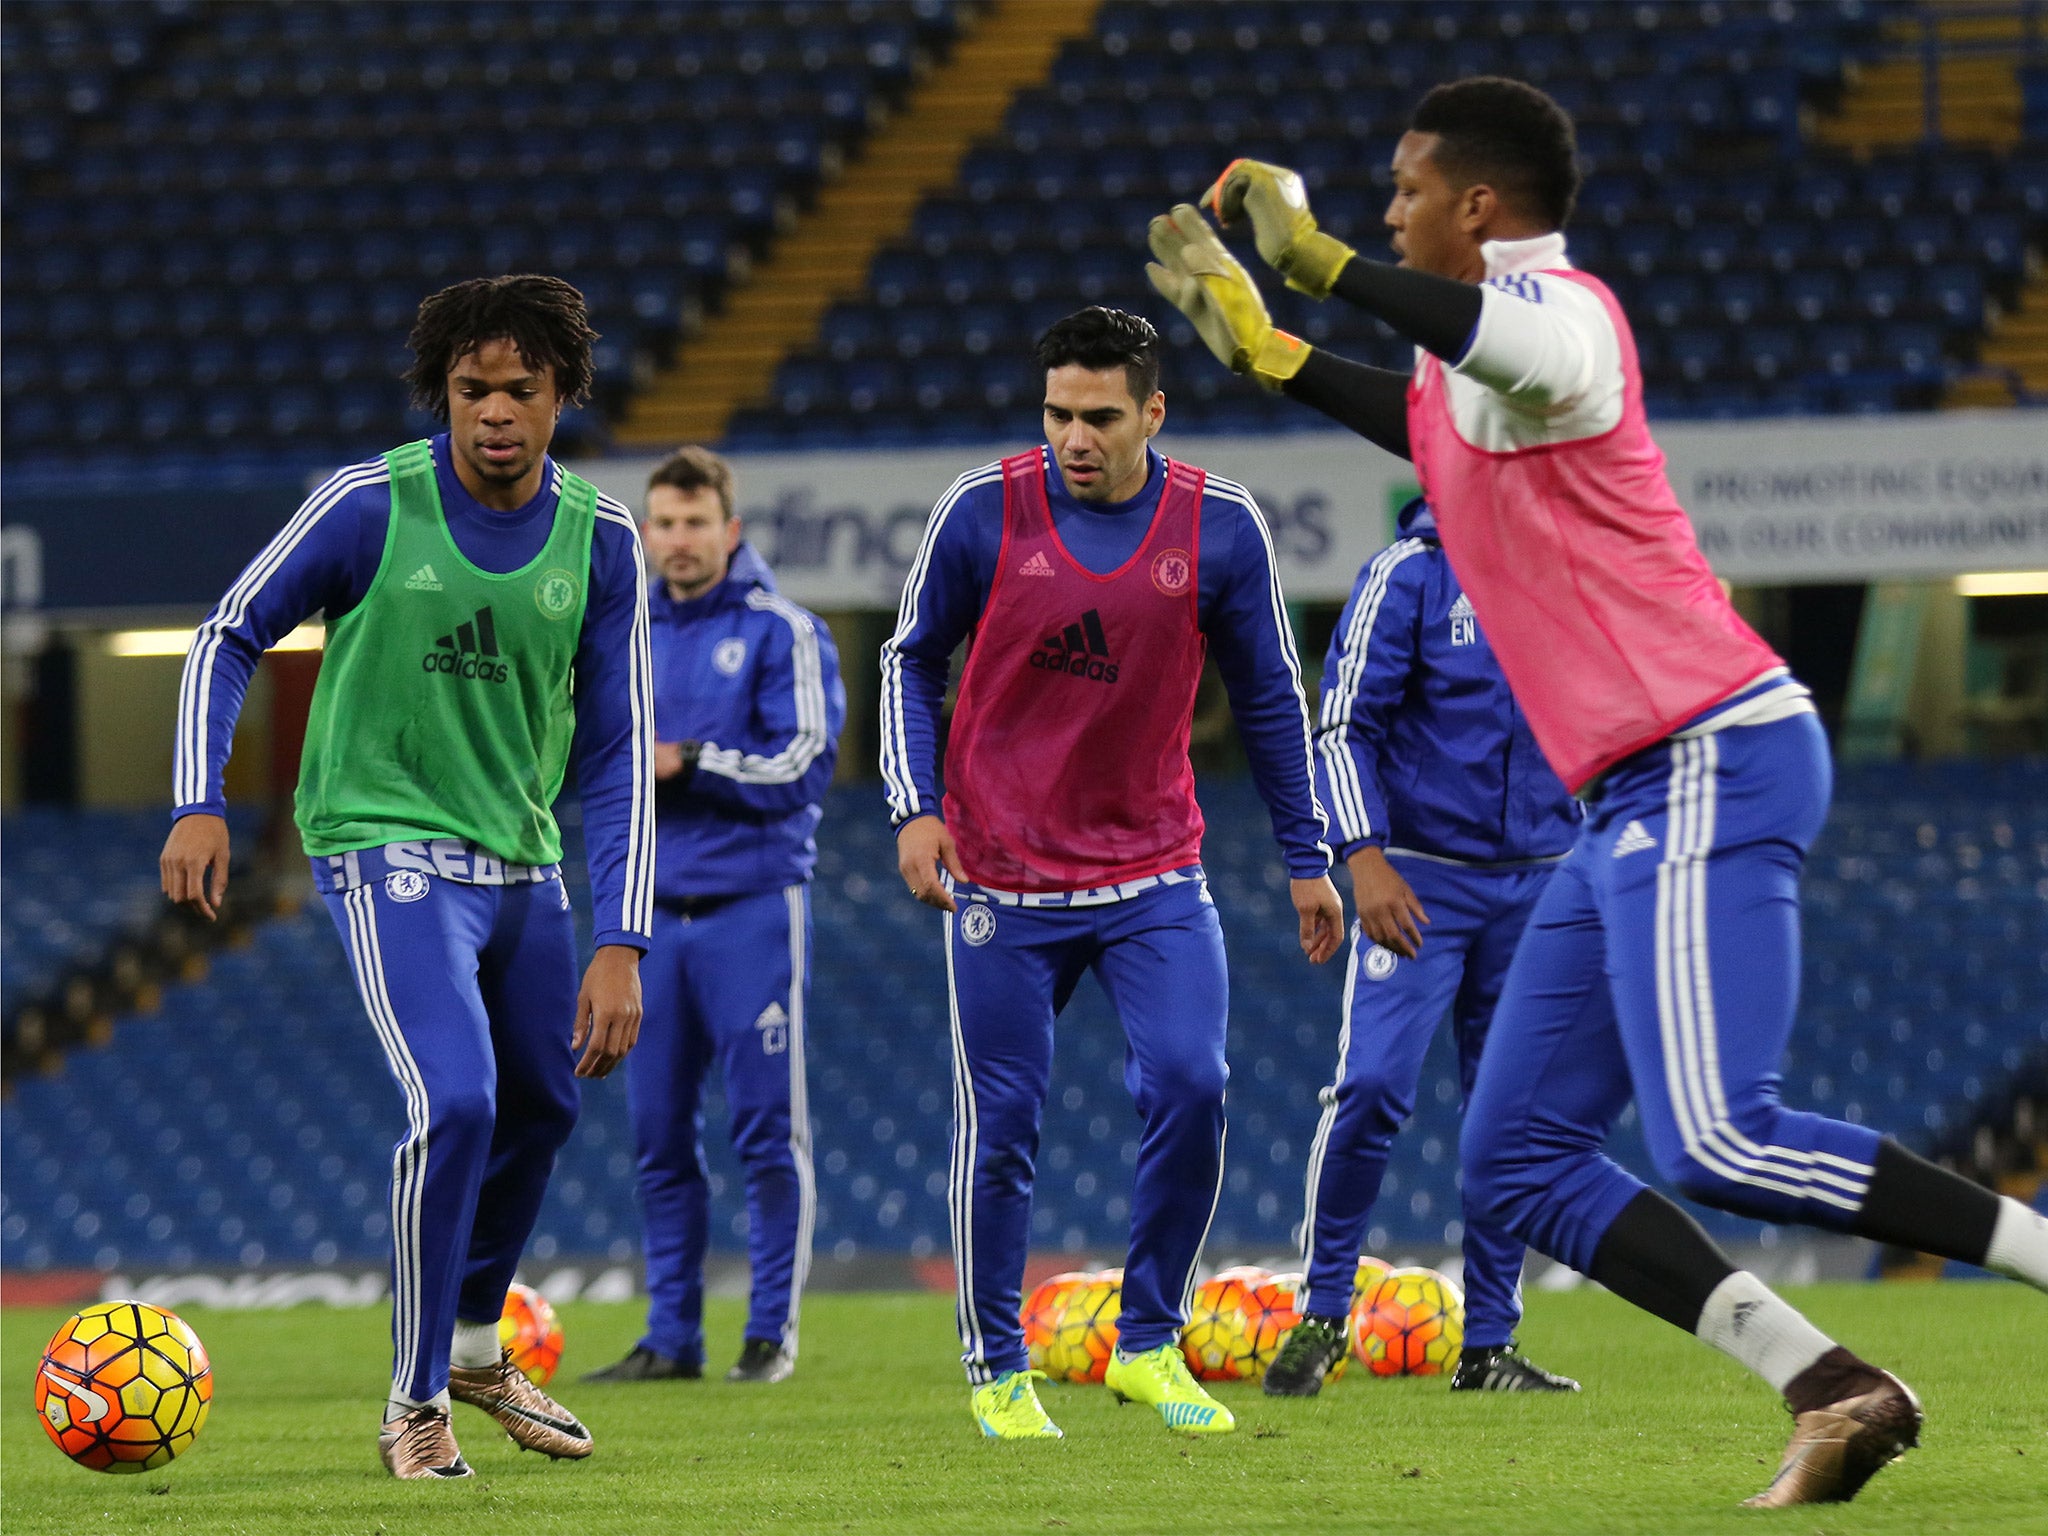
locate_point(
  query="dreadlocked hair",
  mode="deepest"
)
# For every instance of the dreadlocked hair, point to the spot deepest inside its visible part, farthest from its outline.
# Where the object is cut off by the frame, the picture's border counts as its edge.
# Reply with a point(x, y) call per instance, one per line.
point(543, 317)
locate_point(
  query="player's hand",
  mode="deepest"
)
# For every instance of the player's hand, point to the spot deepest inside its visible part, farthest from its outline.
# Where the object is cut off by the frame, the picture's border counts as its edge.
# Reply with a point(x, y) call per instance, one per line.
point(921, 847)
point(676, 759)
point(607, 1010)
point(1322, 917)
point(1200, 278)
point(194, 864)
point(1285, 231)
point(1387, 909)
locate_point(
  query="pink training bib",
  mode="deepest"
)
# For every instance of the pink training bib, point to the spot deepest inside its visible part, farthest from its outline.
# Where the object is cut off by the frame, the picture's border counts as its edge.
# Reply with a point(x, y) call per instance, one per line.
point(1067, 765)
point(1583, 568)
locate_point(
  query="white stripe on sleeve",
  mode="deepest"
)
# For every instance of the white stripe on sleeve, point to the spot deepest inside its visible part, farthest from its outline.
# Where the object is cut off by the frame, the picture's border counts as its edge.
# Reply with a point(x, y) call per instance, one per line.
point(896, 768)
point(195, 685)
point(1231, 491)
point(812, 737)
point(1347, 793)
point(636, 913)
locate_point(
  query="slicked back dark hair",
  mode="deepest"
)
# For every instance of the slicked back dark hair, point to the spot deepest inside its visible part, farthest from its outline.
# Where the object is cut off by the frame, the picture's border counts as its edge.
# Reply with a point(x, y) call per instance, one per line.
point(543, 317)
point(694, 467)
point(1508, 135)
point(1105, 338)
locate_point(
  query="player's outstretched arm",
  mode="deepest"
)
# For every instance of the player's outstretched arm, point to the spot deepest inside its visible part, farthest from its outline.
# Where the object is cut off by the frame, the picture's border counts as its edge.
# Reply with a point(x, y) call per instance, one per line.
point(923, 847)
point(194, 865)
point(1200, 278)
point(1207, 284)
point(1276, 202)
point(1438, 314)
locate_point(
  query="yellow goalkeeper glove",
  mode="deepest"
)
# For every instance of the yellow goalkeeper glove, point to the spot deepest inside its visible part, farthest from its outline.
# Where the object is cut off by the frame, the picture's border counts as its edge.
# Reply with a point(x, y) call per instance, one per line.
point(1211, 287)
point(1282, 226)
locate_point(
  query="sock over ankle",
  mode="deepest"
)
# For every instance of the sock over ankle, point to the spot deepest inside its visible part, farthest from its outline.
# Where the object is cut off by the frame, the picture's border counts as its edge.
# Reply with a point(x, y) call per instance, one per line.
point(398, 1404)
point(1746, 1322)
point(2019, 1244)
point(476, 1345)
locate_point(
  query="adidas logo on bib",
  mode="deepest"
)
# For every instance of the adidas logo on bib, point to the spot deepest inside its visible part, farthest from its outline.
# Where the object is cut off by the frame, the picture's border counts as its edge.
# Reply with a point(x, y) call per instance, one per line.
point(423, 580)
point(470, 651)
point(1037, 565)
point(1633, 839)
point(1079, 650)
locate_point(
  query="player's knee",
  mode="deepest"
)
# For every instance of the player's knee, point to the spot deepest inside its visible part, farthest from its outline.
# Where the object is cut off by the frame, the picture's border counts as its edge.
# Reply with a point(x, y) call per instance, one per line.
point(1375, 1106)
point(760, 1139)
point(1693, 1176)
point(464, 1112)
point(1192, 1083)
point(553, 1119)
point(1498, 1174)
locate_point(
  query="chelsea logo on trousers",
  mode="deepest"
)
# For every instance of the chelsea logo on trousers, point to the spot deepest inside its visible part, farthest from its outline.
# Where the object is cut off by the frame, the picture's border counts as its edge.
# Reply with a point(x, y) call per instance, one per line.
point(405, 885)
point(977, 924)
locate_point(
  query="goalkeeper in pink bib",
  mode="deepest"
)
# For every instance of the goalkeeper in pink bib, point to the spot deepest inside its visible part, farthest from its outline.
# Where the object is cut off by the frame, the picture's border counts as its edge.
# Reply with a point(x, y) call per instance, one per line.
point(1662, 961)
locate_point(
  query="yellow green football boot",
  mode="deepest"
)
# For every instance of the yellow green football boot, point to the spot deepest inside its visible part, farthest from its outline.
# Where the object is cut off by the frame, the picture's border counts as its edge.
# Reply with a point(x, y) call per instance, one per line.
point(1160, 1377)
point(1008, 1409)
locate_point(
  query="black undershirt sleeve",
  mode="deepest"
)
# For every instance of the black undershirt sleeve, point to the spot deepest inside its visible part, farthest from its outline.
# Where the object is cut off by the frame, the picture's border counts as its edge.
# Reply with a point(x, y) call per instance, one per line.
point(1373, 402)
point(1438, 314)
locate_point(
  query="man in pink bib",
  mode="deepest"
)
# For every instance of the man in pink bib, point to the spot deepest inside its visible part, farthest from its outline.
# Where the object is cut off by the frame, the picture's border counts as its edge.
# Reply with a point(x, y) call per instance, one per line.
point(1090, 578)
point(1662, 961)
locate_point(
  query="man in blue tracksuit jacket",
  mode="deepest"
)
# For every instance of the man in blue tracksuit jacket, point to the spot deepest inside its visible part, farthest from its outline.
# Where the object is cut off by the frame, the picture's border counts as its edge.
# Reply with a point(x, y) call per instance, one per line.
point(1449, 819)
point(747, 712)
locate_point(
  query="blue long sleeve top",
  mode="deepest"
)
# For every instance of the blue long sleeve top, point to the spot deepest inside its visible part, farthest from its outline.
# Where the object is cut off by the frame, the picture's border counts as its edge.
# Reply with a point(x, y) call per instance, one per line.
point(1420, 745)
point(323, 561)
point(754, 679)
point(1239, 607)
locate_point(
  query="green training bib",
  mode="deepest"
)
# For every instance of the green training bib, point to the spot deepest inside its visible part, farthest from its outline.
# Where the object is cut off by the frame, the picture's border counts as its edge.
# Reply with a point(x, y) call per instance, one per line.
point(443, 707)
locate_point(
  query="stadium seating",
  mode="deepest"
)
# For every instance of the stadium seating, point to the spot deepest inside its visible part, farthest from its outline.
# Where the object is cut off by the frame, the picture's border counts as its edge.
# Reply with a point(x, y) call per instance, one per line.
point(1764, 276)
point(71, 884)
point(261, 1108)
point(201, 196)
point(224, 250)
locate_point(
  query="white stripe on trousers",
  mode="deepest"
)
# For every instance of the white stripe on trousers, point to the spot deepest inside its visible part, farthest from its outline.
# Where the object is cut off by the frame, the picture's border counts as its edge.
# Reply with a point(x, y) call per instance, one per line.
point(1187, 1288)
point(1320, 1147)
point(960, 1187)
point(409, 1161)
point(1686, 1019)
point(799, 1121)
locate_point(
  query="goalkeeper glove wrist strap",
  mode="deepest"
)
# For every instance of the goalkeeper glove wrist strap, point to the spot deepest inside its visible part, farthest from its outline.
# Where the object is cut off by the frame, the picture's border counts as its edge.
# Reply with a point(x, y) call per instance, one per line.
point(1313, 263)
point(1277, 358)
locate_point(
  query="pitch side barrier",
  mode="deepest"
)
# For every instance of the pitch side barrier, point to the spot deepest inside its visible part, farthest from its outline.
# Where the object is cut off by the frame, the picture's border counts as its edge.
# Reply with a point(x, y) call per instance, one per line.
point(1840, 498)
point(1817, 499)
point(1796, 1260)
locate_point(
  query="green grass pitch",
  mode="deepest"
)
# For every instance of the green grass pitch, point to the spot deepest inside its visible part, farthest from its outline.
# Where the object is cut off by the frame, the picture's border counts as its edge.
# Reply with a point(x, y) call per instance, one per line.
point(873, 1434)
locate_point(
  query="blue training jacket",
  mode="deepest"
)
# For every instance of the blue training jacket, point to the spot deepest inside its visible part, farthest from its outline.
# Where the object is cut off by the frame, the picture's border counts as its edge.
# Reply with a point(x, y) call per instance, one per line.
point(1420, 744)
point(754, 678)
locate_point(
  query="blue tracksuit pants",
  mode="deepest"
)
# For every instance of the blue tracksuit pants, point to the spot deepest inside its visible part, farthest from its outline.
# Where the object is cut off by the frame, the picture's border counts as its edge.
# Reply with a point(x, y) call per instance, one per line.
point(1662, 962)
point(724, 984)
point(1391, 1009)
point(471, 990)
point(1010, 970)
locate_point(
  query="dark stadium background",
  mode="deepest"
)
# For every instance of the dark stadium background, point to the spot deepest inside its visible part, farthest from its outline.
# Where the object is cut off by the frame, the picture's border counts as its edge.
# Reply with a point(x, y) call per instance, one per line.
point(821, 236)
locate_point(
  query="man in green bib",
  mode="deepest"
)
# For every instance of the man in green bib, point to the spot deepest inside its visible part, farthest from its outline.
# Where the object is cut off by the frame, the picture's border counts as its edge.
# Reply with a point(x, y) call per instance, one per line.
point(486, 622)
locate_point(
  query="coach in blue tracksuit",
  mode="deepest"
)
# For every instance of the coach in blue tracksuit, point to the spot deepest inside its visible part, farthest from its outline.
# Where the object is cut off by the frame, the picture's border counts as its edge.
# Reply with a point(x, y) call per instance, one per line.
point(747, 711)
point(1451, 822)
